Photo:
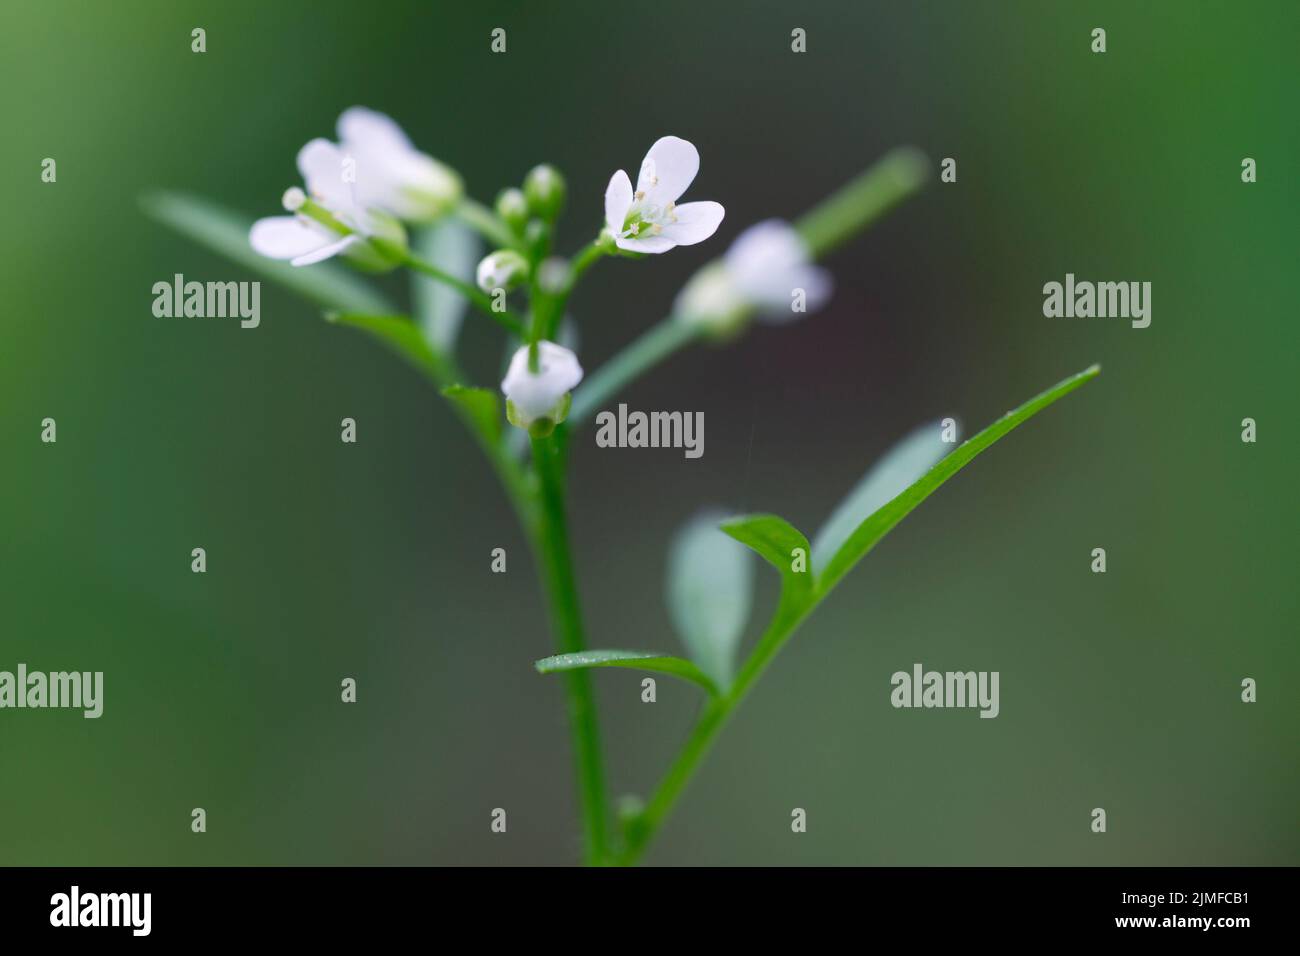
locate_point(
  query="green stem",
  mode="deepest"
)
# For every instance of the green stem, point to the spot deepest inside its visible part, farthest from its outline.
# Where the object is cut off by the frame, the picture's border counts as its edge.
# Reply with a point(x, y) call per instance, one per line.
point(475, 295)
point(486, 223)
point(549, 306)
point(714, 717)
point(584, 259)
point(859, 203)
point(558, 578)
point(655, 344)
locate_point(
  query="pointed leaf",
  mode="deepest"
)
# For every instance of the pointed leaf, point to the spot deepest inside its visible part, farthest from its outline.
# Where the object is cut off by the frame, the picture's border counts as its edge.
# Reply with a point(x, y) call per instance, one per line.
point(482, 406)
point(402, 336)
point(875, 527)
point(641, 660)
point(454, 248)
point(776, 540)
point(903, 464)
point(710, 591)
point(225, 232)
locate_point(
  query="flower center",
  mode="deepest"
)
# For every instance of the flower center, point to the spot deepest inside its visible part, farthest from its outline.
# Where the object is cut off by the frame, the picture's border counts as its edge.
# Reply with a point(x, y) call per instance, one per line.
point(645, 218)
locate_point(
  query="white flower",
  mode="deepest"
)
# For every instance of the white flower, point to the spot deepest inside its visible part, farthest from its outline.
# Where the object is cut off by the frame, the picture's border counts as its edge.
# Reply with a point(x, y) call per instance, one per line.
point(501, 270)
point(544, 394)
point(391, 173)
point(649, 220)
point(764, 268)
point(304, 239)
point(768, 262)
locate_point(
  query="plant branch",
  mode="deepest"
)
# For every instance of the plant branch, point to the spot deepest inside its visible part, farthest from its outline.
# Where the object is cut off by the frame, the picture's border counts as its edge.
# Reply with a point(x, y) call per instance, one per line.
point(486, 223)
point(836, 219)
point(654, 345)
point(798, 602)
point(475, 295)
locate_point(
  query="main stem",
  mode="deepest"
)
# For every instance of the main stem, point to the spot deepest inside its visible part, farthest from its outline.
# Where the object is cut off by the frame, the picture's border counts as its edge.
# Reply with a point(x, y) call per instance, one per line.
point(559, 582)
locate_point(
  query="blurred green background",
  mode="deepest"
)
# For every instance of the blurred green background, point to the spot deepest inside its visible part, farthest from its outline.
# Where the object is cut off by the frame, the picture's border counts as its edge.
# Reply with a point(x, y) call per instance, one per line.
point(372, 561)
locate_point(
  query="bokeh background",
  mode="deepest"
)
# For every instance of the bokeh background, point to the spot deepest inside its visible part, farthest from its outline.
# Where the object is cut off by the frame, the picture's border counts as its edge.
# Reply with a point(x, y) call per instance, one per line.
point(325, 560)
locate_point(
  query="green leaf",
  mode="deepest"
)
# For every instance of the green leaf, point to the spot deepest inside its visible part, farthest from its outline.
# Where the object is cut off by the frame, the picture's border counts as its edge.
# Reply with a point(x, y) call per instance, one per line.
point(710, 591)
point(225, 232)
point(776, 540)
point(402, 336)
point(454, 248)
point(902, 465)
point(878, 524)
point(640, 660)
point(483, 408)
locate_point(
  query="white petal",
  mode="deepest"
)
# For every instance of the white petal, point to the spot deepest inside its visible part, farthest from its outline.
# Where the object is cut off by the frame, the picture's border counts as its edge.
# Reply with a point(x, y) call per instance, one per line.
point(668, 168)
point(648, 244)
point(324, 252)
point(536, 395)
point(321, 165)
point(767, 262)
point(285, 237)
point(775, 304)
point(696, 221)
point(390, 172)
point(816, 284)
point(772, 244)
point(618, 200)
point(366, 127)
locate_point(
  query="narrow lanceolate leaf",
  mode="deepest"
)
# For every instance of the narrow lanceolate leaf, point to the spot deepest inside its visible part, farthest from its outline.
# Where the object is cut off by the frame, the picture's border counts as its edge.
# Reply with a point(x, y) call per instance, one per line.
point(781, 545)
point(710, 592)
point(482, 406)
point(900, 467)
point(402, 336)
point(225, 232)
point(640, 660)
point(455, 249)
point(879, 523)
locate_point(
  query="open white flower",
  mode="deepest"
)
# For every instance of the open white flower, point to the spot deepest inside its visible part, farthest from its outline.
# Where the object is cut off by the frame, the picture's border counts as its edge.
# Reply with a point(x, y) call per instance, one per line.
point(765, 268)
point(649, 219)
point(391, 173)
point(768, 262)
point(542, 395)
point(327, 220)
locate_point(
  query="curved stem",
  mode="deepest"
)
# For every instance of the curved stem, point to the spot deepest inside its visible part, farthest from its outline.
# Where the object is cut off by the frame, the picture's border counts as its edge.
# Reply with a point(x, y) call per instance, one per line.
point(558, 577)
point(475, 295)
point(584, 260)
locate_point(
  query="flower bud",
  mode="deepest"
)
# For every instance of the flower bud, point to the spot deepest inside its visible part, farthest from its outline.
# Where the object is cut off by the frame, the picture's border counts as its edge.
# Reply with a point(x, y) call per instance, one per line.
point(294, 199)
point(502, 269)
point(553, 275)
point(537, 238)
point(538, 401)
point(512, 207)
point(545, 191)
point(711, 302)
